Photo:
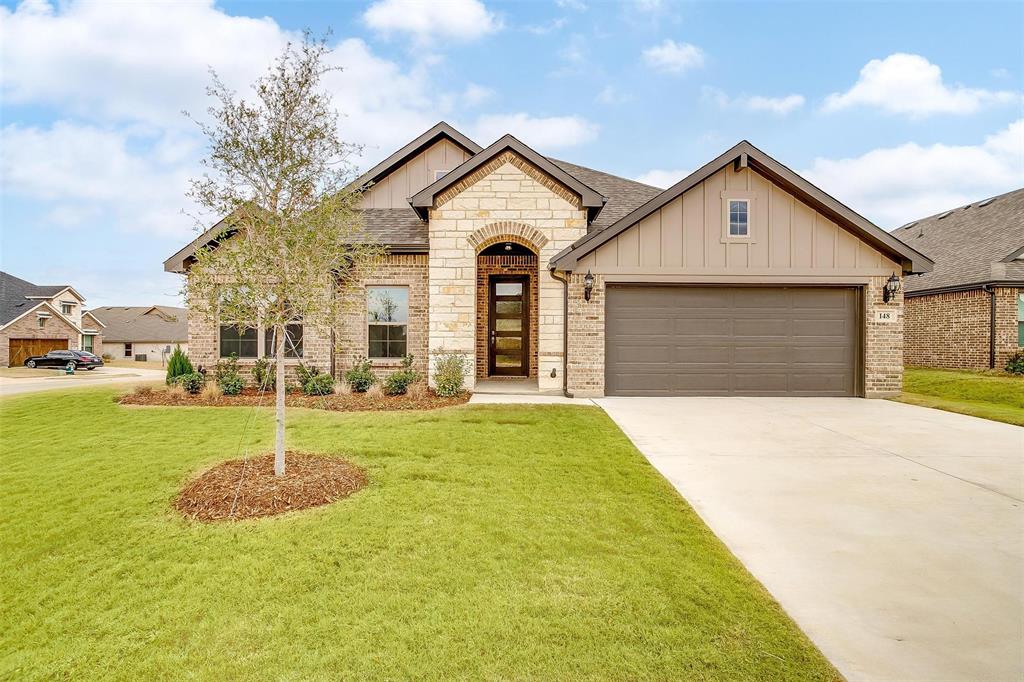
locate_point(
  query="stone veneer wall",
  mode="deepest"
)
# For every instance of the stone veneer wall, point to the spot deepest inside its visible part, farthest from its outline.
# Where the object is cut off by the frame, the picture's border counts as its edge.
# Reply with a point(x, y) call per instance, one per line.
point(952, 329)
point(351, 335)
point(883, 351)
point(28, 328)
point(503, 265)
point(511, 192)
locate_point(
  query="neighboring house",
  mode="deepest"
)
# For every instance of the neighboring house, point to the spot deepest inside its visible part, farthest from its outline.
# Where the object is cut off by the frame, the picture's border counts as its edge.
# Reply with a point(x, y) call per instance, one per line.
point(142, 331)
point(35, 319)
point(743, 278)
point(969, 311)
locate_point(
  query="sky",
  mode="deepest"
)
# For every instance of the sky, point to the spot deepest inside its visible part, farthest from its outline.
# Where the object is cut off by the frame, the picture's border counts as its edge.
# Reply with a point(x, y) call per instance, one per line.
point(899, 110)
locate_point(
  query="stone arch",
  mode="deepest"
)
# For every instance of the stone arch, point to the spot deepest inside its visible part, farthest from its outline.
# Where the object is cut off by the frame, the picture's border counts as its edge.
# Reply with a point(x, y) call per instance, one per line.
point(507, 231)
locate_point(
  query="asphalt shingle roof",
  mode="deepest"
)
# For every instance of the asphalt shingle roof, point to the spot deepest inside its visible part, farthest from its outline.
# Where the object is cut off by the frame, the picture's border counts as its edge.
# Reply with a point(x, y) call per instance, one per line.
point(395, 226)
point(623, 195)
point(13, 293)
point(969, 244)
point(143, 323)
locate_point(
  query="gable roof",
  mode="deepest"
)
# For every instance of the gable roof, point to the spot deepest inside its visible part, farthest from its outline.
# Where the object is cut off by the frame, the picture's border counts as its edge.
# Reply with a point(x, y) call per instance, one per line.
point(591, 199)
point(971, 245)
point(745, 155)
point(623, 194)
point(439, 131)
point(18, 296)
point(142, 323)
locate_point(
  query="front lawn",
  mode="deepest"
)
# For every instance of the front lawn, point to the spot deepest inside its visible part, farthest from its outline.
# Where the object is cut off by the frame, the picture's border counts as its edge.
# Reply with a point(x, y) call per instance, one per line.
point(999, 397)
point(528, 542)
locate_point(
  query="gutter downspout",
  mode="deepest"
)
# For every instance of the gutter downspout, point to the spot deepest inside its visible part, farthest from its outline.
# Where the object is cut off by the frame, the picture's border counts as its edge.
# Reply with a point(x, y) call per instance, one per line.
point(991, 325)
point(565, 331)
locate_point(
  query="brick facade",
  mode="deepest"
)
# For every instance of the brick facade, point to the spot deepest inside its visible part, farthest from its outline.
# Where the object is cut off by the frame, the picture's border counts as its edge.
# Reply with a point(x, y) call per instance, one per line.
point(28, 328)
point(486, 266)
point(883, 342)
point(585, 375)
point(952, 330)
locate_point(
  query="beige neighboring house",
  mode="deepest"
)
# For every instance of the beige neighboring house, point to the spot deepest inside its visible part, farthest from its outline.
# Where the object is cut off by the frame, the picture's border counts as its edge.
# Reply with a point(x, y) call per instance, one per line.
point(35, 319)
point(142, 332)
point(741, 279)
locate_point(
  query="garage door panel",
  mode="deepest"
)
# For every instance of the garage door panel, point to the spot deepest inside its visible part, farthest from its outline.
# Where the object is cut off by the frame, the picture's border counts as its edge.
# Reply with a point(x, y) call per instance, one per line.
point(687, 340)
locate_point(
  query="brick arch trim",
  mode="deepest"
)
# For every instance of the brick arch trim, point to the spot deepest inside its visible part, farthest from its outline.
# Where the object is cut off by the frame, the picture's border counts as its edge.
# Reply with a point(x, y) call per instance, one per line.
point(507, 231)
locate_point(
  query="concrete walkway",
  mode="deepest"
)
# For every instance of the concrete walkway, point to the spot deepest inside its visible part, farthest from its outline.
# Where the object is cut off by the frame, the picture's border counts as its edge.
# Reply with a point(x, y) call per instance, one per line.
point(40, 379)
point(892, 534)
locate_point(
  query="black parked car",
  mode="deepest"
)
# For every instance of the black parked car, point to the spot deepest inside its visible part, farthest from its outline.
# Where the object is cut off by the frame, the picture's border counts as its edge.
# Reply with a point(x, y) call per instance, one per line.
point(66, 358)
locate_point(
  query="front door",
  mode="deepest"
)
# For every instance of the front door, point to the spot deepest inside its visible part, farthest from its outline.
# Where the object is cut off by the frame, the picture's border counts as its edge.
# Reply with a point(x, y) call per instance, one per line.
point(508, 326)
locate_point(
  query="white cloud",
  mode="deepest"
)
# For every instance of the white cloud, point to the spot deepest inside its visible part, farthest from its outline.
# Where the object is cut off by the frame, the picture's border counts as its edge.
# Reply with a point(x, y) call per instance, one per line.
point(548, 27)
point(474, 95)
point(758, 103)
point(911, 85)
point(662, 178)
point(461, 20)
point(541, 133)
point(894, 185)
point(673, 57)
point(611, 95)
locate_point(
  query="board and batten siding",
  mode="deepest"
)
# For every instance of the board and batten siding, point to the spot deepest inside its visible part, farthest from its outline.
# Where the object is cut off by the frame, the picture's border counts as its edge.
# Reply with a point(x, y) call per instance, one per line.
point(394, 190)
point(789, 239)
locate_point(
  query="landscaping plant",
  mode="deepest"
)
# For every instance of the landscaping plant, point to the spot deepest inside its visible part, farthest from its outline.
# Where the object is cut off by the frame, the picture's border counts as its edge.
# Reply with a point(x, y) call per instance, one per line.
point(192, 383)
point(292, 237)
point(225, 372)
point(1015, 365)
point(319, 384)
point(360, 378)
point(397, 383)
point(177, 365)
point(263, 374)
point(449, 373)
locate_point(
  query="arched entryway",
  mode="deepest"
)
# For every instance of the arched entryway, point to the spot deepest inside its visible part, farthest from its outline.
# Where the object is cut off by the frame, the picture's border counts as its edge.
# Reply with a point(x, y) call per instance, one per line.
point(506, 307)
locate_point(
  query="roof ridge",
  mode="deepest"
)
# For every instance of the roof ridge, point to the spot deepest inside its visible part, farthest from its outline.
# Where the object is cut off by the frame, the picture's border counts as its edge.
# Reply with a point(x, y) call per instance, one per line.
point(606, 173)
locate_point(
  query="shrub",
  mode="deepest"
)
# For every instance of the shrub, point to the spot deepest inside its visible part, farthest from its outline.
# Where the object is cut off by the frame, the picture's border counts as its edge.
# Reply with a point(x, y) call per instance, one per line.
point(1015, 365)
point(319, 384)
point(211, 392)
point(360, 378)
point(225, 367)
point(449, 373)
point(375, 392)
point(177, 365)
point(397, 383)
point(231, 384)
point(107, 357)
point(264, 374)
point(192, 383)
point(305, 373)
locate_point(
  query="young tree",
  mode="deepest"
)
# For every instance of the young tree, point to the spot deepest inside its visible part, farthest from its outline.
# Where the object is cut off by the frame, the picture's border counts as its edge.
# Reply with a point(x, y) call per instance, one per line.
point(292, 237)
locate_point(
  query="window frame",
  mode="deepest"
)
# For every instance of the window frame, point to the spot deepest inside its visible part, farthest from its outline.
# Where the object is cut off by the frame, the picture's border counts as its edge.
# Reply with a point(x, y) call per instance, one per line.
point(70, 308)
point(377, 323)
point(269, 352)
point(1020, 320)
point(220, 341)
point(129, 349)
point(749, 197)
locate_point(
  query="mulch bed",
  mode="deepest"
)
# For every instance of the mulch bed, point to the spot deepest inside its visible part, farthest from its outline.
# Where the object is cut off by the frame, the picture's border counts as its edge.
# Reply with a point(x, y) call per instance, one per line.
point(355, 402)
point(246, 489)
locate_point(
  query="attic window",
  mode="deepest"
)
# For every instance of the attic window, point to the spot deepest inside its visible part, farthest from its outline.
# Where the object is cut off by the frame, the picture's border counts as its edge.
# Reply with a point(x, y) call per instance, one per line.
point(438, 174)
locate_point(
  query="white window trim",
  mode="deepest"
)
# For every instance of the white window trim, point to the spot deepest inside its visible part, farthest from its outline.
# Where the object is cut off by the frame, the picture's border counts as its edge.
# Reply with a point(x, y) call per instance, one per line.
point(261, 344)
point(383, 362)
point(748, 196)
point(440, 173)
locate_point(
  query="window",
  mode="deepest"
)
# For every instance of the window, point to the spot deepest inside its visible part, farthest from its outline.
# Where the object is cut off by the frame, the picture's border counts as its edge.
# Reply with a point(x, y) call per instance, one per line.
point(739, 218)
point(87, 342)
point(438, 174)
point(42, 321)
point(66, 308)
point(292, 341)
point(241, 342)
point(388, 319)
point(127, 350)
point(1020, 320)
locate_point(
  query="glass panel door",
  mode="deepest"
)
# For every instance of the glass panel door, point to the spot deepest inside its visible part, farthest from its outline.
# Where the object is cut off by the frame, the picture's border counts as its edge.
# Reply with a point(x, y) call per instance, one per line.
point(508, 326)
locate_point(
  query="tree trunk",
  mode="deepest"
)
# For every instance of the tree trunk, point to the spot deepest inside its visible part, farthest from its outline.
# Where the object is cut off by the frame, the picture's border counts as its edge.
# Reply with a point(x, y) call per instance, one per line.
point(279, 369)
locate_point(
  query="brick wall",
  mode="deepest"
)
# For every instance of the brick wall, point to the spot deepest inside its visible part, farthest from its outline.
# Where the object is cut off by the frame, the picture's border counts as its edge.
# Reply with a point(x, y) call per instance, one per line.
point(585, 369)
point(503, 265)
point(351, 334)
point(952, 329)
point(28, 328)
point(883, 342)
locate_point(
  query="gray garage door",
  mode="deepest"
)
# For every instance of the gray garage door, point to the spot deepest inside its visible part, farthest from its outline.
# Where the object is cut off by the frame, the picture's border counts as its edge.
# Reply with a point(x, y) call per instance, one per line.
point(676, 340)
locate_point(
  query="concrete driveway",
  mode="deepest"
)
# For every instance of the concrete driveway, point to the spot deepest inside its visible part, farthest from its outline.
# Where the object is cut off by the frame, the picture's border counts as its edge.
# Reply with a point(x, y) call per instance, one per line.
point(892, 534)
point(40, 379)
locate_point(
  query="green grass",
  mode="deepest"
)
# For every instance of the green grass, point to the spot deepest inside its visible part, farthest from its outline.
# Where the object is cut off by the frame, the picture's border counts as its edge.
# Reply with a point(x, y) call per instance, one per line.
point(498, 542)
point(998, 397)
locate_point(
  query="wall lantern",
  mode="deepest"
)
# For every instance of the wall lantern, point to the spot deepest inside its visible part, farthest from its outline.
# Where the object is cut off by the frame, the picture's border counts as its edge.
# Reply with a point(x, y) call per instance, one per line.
point(892, 287)
point(588, 285)
point(508, 246)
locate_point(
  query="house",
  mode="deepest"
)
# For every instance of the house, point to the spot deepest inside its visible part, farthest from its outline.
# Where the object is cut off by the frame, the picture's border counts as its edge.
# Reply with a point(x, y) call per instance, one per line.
point(968, 312)
point(741, 279)
point(149, 331)
point(35, 319)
